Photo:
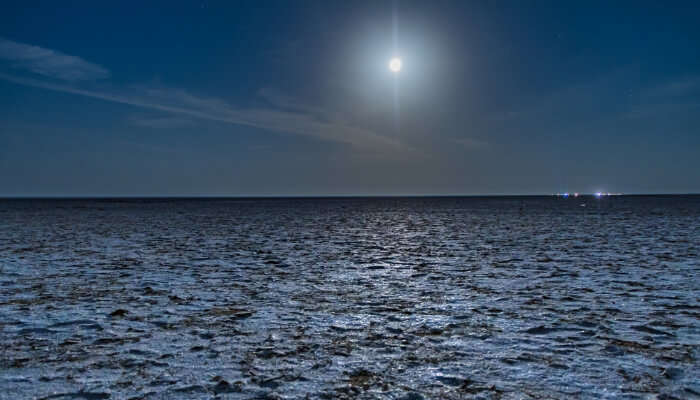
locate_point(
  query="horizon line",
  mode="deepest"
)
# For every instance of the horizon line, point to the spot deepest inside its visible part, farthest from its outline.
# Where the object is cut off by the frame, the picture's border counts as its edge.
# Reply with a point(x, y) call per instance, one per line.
point(317, 196)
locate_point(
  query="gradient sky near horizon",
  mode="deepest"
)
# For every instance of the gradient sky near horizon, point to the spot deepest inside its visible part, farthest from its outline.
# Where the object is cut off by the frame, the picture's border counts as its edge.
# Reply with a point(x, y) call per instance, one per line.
point(219, 98)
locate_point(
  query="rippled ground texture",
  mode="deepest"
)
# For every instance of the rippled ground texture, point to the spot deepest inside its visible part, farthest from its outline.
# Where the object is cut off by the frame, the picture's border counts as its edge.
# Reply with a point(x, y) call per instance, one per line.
point(350, 298)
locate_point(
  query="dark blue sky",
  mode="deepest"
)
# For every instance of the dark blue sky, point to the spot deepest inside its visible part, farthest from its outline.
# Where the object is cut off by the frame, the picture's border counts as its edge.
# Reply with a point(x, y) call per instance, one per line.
point(295, 98)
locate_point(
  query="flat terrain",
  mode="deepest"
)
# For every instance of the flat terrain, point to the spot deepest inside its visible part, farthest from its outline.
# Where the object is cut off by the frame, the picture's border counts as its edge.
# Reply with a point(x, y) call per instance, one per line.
point(406, 298)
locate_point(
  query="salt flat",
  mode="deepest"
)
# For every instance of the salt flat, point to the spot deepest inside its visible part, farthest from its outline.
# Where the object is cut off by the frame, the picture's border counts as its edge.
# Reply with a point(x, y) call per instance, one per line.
point(387, 298)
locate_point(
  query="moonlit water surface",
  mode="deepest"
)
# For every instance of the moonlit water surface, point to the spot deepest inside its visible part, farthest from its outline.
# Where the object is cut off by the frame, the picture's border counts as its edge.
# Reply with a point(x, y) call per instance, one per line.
point(350, 298)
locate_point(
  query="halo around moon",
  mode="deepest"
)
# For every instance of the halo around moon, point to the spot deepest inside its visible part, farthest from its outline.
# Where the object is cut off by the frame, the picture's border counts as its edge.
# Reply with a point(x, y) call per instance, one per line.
point(395, 65)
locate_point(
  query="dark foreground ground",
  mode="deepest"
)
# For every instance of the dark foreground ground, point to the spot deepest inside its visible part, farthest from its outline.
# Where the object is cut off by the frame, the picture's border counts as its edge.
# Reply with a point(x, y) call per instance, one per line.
point(427, 298)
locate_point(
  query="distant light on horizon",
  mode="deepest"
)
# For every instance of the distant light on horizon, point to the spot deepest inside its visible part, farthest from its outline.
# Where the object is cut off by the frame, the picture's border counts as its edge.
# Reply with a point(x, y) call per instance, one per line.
point(594, 194)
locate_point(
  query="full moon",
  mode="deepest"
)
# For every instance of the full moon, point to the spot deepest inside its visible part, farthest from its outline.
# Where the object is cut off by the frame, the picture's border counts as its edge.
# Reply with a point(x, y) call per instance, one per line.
point(395, 64)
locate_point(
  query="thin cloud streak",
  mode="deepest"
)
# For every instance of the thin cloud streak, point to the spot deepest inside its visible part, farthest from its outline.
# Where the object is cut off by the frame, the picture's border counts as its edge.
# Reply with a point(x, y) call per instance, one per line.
point(161, 122)
point(181, 102)
point(50, 63)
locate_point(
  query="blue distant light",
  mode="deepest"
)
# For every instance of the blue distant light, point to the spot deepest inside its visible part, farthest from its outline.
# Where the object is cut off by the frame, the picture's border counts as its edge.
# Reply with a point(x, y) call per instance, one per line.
point(595, 194)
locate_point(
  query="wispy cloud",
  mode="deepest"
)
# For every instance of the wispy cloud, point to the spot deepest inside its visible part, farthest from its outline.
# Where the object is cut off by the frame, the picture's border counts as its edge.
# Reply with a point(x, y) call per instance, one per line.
point(674, 88)
point(49, 63)
point(281, 114)
point(181, 102)
point(160, 122)
point(579, 104)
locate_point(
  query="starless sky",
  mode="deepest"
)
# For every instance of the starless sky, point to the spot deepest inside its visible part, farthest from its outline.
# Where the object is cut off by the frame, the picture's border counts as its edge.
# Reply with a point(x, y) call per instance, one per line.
point(261, 97)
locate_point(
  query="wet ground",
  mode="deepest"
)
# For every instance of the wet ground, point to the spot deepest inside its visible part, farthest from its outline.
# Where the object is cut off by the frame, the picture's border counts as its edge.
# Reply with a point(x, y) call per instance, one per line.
point(447, 298)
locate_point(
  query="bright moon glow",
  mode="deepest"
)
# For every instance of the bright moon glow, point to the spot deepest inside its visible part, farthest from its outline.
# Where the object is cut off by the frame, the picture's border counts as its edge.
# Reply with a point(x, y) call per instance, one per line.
point(395, 64)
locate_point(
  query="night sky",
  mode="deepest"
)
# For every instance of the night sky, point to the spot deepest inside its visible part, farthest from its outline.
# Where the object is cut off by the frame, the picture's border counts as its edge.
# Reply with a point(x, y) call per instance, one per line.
point(236, 98)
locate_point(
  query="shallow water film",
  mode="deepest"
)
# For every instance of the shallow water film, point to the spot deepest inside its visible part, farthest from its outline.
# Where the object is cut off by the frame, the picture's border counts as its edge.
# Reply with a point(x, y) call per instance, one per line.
point(384, 298)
